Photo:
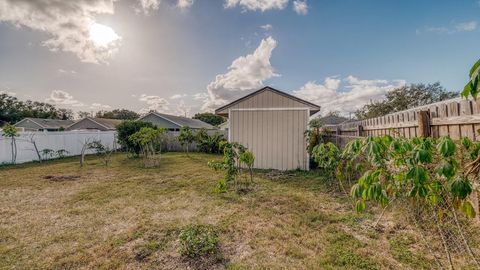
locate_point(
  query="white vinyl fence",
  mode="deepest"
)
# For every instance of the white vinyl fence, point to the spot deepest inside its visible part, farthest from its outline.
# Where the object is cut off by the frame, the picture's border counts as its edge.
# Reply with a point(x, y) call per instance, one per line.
point(70, 141)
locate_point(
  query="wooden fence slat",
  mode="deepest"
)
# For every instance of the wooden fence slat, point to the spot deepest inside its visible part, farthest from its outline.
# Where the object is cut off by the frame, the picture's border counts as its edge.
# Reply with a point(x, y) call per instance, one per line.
point(454, 130)
point(442, 115)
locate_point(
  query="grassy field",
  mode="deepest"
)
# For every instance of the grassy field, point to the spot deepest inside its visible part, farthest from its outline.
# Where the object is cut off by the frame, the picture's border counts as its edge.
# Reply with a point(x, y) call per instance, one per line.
point(60, 216)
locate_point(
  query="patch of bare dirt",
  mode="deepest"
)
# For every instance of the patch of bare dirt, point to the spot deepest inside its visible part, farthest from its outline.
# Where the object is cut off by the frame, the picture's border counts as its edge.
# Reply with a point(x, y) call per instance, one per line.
point(61, 178)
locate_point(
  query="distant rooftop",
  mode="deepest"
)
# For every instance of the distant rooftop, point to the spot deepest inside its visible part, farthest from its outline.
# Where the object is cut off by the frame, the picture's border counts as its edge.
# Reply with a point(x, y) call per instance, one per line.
point(184, 121)
point(109, 123)
point(49, 123)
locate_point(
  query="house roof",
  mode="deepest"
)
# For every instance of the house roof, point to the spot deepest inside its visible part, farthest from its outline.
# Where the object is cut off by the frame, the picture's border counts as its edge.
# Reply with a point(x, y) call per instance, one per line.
point(108, 123)
point(314, 107)
point(182, 121)
point(48, 123)
point(104, 122)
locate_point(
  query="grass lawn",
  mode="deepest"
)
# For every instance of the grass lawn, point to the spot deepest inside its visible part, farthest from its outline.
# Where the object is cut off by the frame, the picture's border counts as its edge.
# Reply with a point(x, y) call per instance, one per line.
point(60, 216)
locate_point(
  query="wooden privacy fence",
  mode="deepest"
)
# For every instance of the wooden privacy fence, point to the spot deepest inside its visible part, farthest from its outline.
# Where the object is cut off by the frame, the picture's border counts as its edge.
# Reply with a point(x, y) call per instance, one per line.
point(456, 118)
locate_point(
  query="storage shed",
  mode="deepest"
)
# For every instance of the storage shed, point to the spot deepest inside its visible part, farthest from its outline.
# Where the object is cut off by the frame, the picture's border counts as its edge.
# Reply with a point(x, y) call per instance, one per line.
point(272, 125)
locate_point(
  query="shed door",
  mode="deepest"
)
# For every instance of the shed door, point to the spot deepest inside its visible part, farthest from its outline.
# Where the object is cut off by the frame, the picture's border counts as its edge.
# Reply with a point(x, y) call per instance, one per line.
point(276, 137)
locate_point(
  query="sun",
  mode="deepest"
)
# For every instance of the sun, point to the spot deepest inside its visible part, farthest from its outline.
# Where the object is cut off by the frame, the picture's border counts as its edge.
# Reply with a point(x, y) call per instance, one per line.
point(102, 35)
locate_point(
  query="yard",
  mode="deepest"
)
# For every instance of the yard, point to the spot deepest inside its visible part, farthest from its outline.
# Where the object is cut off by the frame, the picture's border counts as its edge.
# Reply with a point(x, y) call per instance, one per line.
point(60, 216)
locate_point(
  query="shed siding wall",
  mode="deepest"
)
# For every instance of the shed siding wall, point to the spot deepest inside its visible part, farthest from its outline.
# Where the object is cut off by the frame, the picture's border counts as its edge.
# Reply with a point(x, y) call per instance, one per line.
point(276, 137)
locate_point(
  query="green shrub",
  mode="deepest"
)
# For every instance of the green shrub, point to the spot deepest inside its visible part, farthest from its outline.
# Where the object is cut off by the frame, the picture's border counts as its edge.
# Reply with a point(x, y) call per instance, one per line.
point(209, 144)
point(198, 240)
point(128, 128)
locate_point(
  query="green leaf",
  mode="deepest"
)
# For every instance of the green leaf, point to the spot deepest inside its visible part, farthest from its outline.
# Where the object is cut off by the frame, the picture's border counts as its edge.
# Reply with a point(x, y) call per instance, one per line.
point(446, 147)
point(423, 156)
point(466, 142)
point(466, 90)
point(360, 206)
point(468, 209)
point(446, 169)
point(418, 174)
point(474, 69)
point(356, 191)
point(460, 187)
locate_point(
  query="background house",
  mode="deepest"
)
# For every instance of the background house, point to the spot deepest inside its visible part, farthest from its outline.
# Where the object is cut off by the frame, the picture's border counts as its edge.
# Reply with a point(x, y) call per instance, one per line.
point(272, 125)
point(174, 123)
point(89, 123)
point(40, 124)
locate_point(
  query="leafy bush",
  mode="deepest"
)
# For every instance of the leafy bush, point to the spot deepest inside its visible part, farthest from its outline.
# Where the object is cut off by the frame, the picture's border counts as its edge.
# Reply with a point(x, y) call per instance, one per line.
point(209, 144)
point(47, 153)
point(424, 170)
point(186, 137)
point(199, 240)
point(234, 156)
point(146, 139)
point(128, 128)
point(61, 153)
point(327, 156)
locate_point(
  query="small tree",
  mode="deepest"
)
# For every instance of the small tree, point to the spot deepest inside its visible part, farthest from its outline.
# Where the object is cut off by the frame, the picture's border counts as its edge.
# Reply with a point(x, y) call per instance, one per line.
point(128, 128)
point(186, 137)
point(10, 131)
point(234, 154)
point(248, 159)
point(146, 140)
point(104, 152)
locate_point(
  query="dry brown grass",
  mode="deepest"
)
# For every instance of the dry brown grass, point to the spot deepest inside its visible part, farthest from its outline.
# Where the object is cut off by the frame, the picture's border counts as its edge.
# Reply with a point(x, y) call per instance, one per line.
point(128, 217)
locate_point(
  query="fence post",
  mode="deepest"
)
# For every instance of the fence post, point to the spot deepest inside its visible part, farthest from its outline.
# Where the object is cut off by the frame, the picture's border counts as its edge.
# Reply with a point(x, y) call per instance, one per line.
point(423, 121)
point(359, 130)
point(338, 132)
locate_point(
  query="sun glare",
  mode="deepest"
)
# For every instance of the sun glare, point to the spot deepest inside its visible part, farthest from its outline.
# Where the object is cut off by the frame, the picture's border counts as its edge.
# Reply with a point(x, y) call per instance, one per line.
point(102, 35)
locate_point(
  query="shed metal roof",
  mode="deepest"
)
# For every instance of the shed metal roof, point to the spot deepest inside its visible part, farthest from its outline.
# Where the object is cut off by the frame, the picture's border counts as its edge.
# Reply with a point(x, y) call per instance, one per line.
point(313, 107)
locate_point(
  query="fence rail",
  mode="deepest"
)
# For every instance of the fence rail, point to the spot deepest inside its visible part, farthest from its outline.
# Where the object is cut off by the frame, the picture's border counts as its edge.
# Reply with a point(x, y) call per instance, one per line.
point(456, 118)
point(72, 142)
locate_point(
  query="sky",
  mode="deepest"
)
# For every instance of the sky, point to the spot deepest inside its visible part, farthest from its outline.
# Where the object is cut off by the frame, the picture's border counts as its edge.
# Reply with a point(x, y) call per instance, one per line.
point(187, 56)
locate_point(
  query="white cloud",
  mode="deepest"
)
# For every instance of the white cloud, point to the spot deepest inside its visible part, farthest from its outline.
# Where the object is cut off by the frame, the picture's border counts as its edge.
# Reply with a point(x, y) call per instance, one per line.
point(266, 27)
point(452, 29)
point(182, 109)
point(254, 5)
point(67, 24)
point(178, 96)
point(184, 4)
point(356, 92)
point(64, 71)
point(59, 97)
point(245, 74)
point(148, 5)
point(100, 106)
point(300, 7)
point(466, 26)
point(154, 103)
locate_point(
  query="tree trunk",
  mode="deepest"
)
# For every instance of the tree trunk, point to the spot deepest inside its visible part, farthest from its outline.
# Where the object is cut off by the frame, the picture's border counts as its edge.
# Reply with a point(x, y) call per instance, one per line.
point(36, 150)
